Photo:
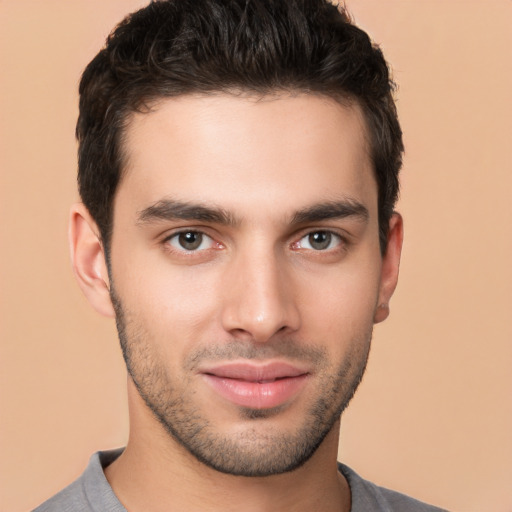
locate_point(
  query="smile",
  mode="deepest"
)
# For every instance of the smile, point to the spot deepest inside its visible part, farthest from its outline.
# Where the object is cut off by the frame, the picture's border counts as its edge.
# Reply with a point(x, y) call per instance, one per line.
point(256, 387)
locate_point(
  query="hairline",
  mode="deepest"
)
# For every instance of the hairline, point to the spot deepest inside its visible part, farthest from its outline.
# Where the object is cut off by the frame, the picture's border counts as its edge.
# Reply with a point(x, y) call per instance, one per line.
point(151, 103)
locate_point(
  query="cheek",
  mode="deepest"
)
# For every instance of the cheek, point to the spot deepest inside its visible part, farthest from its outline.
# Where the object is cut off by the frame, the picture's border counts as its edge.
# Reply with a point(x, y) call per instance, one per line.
point(340, 307)
point(173, 302)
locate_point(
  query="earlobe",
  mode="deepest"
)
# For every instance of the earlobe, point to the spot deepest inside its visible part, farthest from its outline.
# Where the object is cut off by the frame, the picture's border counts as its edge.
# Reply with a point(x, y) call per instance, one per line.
point(390, 267)
point(88, 259)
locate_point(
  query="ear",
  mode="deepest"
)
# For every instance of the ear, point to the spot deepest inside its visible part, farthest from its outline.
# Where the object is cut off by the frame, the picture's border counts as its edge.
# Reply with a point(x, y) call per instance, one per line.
point(88, 259)
point(390, 266)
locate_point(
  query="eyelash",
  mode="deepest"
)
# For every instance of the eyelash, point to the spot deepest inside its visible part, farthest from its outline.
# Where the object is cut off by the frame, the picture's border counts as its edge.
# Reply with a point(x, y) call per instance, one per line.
point(340, 241)
point(175, 236)
point(331, 237)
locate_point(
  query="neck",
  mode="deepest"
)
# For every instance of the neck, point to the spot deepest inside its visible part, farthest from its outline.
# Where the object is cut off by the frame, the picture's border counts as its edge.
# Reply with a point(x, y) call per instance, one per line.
point(155, 473)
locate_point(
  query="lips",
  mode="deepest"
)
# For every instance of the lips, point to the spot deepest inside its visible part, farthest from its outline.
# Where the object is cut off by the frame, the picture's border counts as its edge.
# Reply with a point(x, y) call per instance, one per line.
point(256, 386)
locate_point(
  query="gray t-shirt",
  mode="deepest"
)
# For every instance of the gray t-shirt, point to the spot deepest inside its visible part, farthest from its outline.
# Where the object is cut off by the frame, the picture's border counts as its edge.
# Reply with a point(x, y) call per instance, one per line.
point(91, 492)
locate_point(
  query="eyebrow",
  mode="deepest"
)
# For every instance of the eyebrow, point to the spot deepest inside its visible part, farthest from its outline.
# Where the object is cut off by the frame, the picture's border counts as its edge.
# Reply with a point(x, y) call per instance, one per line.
point(170, 209)
point(344, 208)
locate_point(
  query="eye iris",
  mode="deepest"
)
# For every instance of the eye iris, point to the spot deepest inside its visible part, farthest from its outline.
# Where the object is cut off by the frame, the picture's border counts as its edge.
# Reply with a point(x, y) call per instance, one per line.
point(320, 240)
point(190, 240)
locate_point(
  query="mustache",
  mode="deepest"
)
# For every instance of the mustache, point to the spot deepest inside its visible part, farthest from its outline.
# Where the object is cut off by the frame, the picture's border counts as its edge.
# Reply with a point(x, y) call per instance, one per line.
point(250, 350)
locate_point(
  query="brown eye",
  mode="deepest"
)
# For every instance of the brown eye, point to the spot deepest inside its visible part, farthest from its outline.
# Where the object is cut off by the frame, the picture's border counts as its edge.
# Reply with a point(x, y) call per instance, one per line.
point(320, 241)
point(190, 241)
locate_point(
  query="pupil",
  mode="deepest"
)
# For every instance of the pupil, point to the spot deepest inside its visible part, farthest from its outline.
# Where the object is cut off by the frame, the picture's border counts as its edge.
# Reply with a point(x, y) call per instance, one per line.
point(190, 240)
point(320, 240)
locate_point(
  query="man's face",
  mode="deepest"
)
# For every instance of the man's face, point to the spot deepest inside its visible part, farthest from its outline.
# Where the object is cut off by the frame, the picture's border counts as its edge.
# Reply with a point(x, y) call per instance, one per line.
point(246, 272)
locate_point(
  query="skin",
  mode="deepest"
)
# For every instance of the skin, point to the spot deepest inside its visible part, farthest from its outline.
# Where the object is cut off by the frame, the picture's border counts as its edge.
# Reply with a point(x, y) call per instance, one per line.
point(257, 287)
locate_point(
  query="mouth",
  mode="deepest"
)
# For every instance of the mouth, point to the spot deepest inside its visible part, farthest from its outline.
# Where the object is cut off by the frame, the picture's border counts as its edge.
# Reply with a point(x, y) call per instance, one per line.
point(254, 386)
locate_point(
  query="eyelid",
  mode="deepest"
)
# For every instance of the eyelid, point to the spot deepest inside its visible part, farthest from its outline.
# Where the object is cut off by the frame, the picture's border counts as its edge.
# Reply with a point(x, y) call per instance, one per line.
point(343, 239)
point(166, 241)
point(172, 232)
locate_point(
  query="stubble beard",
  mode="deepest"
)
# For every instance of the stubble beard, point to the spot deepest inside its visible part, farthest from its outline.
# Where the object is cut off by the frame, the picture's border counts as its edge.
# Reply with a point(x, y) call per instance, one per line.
point(254, 451)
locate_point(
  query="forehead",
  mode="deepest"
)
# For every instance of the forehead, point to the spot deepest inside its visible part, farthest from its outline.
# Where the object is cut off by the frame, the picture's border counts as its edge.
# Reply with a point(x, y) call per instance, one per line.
point(245, 151)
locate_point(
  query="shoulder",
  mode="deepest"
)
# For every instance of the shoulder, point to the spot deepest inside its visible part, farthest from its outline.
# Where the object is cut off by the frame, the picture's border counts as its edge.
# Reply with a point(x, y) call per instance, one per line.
point(72, 498)
point(90, 492)
point(367, 497)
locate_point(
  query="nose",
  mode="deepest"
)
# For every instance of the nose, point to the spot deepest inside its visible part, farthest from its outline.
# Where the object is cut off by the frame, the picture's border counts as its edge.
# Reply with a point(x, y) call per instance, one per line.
point(260, 298)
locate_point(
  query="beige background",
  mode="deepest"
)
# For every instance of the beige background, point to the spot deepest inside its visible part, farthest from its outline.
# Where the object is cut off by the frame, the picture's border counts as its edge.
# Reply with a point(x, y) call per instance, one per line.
point(433, 417)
